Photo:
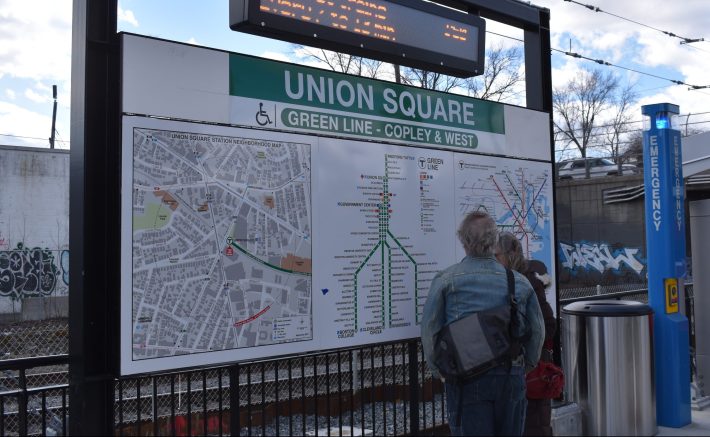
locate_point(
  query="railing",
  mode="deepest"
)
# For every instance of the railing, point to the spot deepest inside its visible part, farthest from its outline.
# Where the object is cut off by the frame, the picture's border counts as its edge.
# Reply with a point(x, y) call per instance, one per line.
point(29, 406)
point(640, 294)
point(382, 389)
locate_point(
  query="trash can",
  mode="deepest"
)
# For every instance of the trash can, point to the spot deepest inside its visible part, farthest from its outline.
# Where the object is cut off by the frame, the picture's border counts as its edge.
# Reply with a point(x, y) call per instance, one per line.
point(608, 362)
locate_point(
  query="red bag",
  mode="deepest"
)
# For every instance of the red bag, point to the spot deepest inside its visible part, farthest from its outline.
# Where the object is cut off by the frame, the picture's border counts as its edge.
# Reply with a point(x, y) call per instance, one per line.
point(545, 381)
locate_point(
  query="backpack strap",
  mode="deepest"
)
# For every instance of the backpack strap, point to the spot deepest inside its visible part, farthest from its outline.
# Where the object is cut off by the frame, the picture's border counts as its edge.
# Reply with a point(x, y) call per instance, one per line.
point(511, 287)
point(513, 327)
point(511, 299)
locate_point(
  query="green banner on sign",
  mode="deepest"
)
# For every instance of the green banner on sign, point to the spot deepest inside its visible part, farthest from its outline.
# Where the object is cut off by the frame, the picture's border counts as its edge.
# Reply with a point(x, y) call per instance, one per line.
point(292, 84)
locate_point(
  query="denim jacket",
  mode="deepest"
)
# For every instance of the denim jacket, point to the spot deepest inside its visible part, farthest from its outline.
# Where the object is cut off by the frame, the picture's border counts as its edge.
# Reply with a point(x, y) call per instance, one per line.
point(473, 285)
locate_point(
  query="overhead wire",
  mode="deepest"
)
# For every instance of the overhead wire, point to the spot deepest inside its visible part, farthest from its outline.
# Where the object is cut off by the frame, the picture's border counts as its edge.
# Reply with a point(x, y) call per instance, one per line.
point(31, 138)
point(609, 64)
point(603, 62)
point(567, 53)
point(684, 40)
point(641, 121)
point(624, 132)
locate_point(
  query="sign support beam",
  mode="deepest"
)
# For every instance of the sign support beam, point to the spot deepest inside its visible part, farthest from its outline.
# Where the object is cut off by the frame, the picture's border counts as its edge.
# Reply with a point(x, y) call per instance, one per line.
point(94, 215)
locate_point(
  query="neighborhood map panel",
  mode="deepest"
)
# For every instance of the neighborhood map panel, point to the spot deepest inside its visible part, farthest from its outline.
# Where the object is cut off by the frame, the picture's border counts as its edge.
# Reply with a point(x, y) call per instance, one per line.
point(221, 242)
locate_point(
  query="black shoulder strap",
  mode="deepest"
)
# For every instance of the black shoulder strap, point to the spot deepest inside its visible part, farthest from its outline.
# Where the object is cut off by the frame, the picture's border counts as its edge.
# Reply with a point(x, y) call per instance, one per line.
point(513, 326)
point(511, 285)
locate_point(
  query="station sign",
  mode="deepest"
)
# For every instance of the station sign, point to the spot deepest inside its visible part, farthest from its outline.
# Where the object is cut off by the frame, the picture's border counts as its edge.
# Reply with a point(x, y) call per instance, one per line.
point(272, 209)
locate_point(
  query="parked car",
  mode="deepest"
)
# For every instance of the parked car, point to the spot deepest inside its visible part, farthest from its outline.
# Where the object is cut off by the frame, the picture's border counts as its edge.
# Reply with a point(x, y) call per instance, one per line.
point(576, 169)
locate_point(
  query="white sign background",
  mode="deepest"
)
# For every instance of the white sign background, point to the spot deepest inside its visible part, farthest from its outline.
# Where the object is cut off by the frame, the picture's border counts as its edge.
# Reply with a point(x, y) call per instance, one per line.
point(386, 235)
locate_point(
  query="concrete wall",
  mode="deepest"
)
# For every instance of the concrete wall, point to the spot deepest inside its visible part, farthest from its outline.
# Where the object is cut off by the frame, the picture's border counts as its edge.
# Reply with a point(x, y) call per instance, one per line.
point(599, 243)
point(34, 228)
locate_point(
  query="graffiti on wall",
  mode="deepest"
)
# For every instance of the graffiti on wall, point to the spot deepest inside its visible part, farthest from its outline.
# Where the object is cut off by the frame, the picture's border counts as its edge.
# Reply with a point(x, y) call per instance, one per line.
point(31, 272)
point(600, 257)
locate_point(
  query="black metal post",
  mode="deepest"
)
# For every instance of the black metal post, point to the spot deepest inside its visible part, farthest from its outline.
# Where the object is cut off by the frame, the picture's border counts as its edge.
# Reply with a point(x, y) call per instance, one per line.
point(94, 217)
point(22, 403)
point(413, 387)
point(234, 424)
point(541, 97)
point(538, 67)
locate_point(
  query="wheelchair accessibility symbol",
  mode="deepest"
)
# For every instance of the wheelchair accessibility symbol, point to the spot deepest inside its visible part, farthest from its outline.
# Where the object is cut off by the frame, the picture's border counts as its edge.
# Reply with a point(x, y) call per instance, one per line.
point(262, 117)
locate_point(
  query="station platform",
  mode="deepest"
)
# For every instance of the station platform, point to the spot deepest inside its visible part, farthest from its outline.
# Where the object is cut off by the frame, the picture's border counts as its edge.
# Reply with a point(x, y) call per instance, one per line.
point(566, 420)
point(700, 426)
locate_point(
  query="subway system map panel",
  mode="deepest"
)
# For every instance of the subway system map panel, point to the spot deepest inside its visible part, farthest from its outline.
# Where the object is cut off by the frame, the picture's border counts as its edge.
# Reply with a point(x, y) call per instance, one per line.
point(517, 194)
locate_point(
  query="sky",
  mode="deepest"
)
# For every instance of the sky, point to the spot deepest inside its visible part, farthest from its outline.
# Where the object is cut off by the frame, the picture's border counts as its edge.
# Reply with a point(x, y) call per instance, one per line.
point(35, 51)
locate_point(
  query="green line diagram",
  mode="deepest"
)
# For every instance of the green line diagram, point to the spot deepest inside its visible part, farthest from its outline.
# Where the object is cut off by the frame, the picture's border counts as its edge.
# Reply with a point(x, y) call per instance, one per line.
point(385, 244)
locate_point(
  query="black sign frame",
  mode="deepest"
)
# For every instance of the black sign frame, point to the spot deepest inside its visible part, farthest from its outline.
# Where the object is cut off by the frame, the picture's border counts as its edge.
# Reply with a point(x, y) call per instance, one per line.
point(95, 197)
point(246, 16)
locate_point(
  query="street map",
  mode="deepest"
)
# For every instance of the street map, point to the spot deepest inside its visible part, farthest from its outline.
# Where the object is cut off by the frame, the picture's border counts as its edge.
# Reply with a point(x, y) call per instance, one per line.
point(221, 242)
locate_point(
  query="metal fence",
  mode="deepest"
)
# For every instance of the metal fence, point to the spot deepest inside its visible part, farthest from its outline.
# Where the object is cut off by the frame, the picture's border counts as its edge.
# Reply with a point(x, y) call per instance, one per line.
point(34, 396)
point(627, 291)
point(637, 292)
point(383, 389)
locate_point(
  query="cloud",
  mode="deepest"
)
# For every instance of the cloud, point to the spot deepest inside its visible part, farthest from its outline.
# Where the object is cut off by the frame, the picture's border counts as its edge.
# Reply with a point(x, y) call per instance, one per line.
point(495, 29)
point(20, 121)
point(36, 41)
point(192, 40)
point(601, 35)
point(277, 56)
point(127, 16)
point(10, 93)
point(37, 97)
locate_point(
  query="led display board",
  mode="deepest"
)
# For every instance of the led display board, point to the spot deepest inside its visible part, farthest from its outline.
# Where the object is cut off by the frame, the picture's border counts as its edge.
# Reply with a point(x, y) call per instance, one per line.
point(414, 33)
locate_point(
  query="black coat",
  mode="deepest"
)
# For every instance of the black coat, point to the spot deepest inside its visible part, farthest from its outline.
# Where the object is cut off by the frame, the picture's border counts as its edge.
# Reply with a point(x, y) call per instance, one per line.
point(539, 411)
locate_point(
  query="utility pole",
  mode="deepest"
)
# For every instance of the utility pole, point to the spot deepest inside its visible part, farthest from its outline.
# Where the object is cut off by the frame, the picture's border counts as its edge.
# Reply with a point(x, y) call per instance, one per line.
point(54, 117)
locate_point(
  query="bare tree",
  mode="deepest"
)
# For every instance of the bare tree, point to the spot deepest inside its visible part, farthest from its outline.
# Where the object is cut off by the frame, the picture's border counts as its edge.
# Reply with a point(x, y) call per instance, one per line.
point(616, 130)
point(634, 140)
point(502, 75)
point(429, 80)
point(499, 81)
point(634, 149)
point(342, 62)
point(579, 107)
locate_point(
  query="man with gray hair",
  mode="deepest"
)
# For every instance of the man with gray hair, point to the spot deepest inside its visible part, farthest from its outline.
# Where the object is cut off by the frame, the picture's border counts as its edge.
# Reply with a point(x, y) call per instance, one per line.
point(492, 403)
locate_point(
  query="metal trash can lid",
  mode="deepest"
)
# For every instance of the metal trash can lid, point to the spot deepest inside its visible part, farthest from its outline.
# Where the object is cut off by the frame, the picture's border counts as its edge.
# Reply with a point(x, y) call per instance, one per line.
point(608, 308)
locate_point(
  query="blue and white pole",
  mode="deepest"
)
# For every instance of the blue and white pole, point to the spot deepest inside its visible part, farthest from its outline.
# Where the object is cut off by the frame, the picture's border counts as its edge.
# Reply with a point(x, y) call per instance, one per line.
point(665, 243)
